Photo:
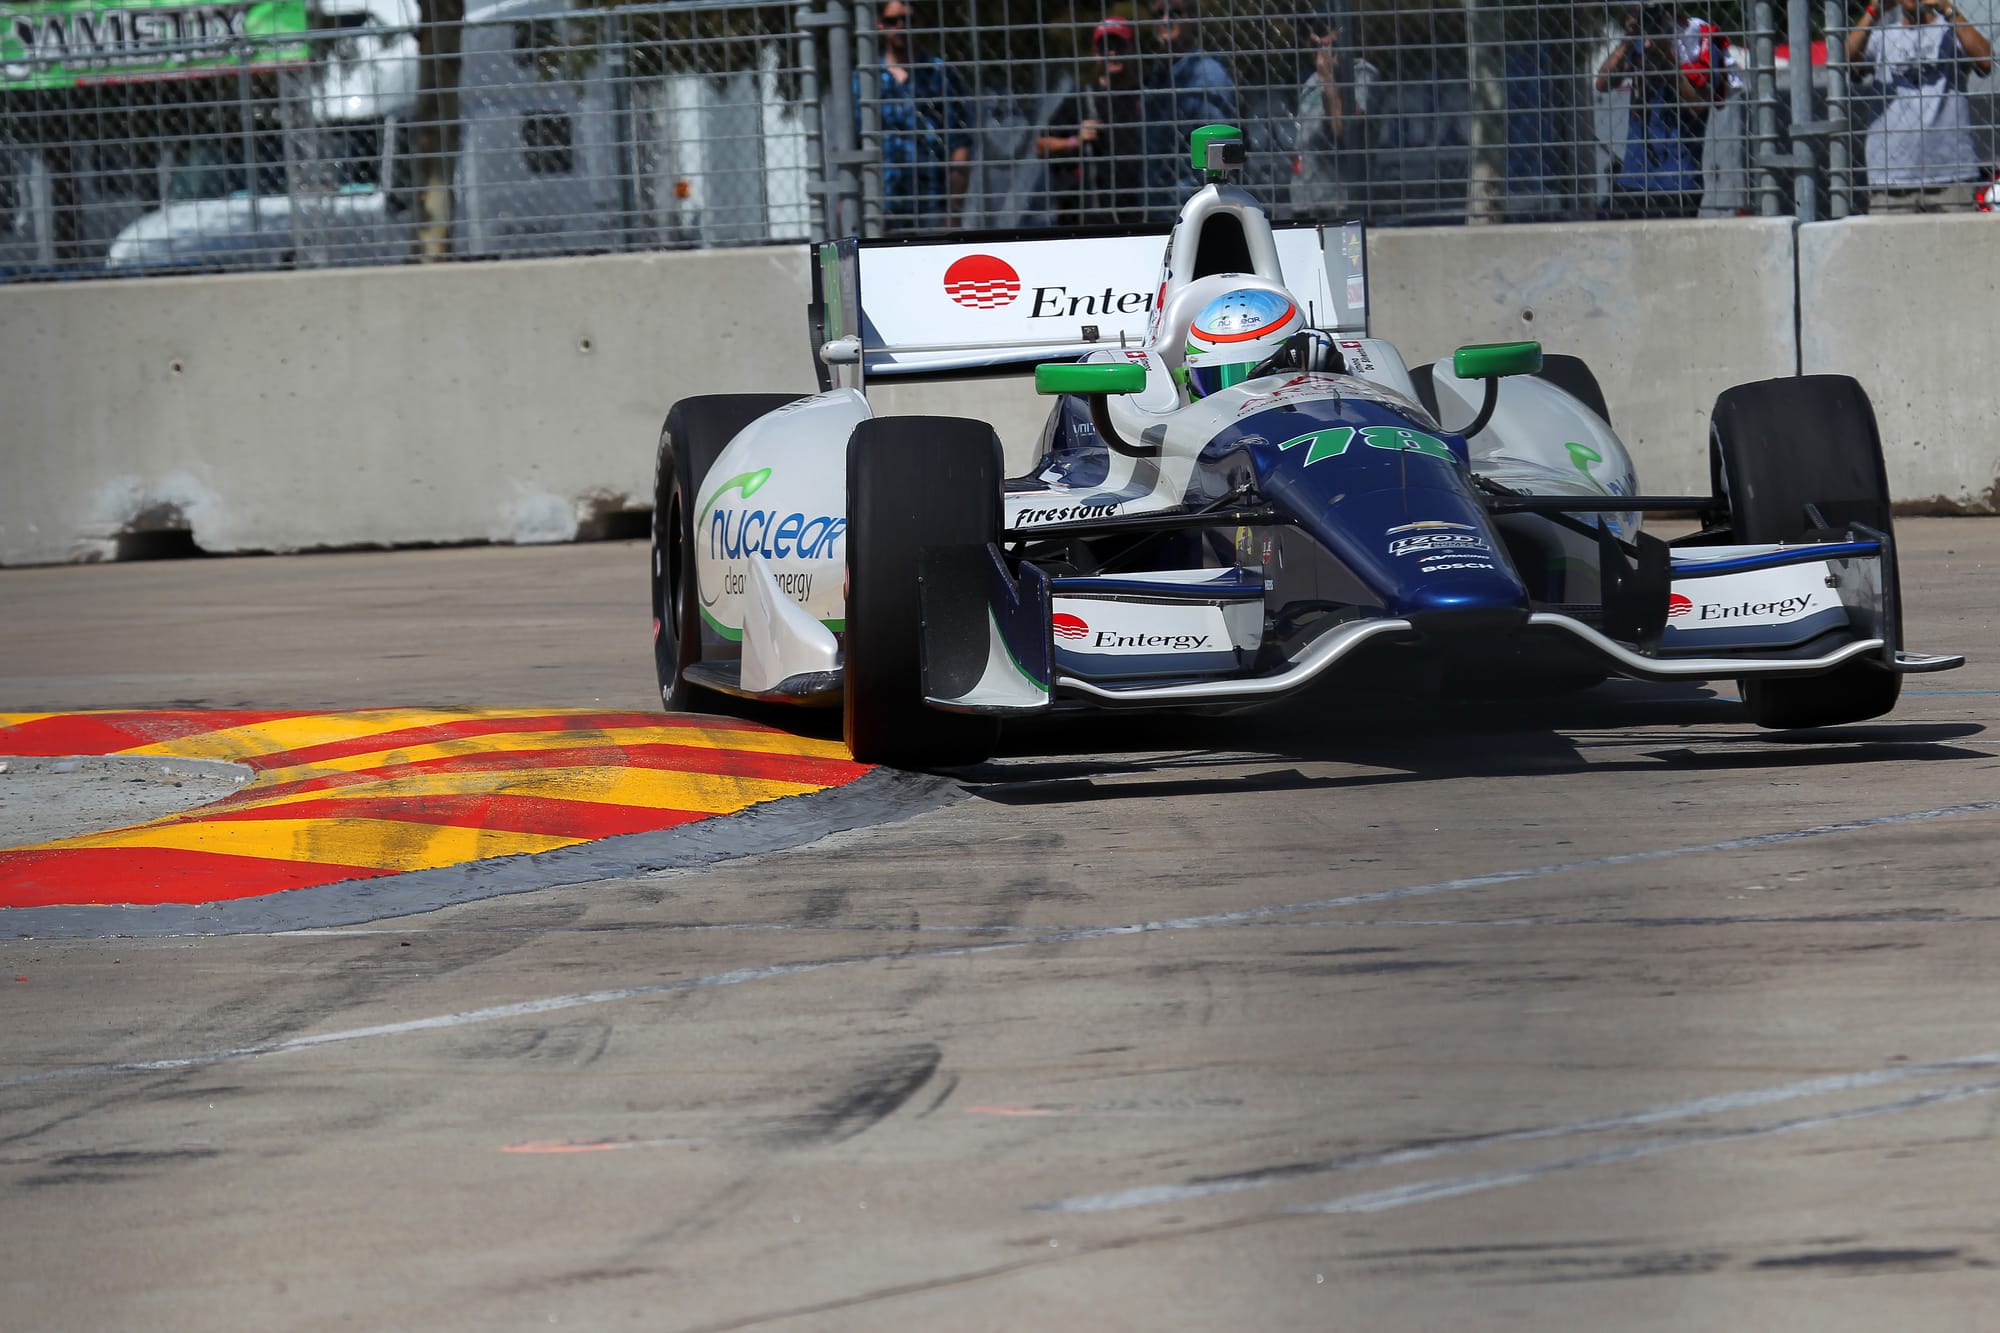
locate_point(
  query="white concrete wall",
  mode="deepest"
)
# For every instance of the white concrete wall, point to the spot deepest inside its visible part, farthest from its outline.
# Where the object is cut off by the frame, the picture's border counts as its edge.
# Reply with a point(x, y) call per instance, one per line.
point(512, 401)
point(1910, 306)
point(463, 402)
point(1668, 314)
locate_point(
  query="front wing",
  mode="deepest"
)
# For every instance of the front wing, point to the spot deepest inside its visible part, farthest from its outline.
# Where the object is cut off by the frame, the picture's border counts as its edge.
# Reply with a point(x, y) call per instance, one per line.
point(1001, 642)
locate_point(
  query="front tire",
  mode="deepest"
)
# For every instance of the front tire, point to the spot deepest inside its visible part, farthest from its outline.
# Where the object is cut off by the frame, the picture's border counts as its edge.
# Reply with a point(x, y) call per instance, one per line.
point(696, 432)
point(1776, 447)
point(912, 483)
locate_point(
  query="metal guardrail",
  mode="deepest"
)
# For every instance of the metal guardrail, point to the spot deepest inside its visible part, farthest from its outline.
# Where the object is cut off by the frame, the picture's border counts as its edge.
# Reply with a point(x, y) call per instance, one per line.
point(146, 135)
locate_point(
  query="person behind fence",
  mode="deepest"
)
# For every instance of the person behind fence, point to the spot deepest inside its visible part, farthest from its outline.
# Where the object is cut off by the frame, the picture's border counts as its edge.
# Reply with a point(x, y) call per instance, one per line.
point(1660, 173)
point(926, 128)
point(1095, 140)
point(1333, 103)
point(1725, 149)
point(1919, 151)
point(1188, 89)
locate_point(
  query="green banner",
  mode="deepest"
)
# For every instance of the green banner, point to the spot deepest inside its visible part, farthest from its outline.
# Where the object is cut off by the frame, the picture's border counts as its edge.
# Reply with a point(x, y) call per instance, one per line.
point(65, 43)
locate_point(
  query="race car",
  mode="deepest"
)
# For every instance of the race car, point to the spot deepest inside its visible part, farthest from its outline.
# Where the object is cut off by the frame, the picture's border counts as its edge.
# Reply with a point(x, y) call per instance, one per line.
point(1238, 494)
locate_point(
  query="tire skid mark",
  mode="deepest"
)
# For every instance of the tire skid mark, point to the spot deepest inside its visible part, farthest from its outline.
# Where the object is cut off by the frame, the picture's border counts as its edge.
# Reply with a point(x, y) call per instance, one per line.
point(741, 976)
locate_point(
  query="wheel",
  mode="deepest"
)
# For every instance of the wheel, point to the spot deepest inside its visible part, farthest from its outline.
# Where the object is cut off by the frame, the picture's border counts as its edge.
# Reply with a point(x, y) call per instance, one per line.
point(1572, 376)
point(912, 482)
point(696, 431)
point(1568, 373)
point(1776, 447)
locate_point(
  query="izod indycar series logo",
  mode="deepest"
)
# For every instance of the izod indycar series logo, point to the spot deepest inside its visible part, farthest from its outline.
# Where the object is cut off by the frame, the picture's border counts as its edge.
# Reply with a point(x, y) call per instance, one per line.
point(1077, 631)
point(988, 282)
point(1439, 543)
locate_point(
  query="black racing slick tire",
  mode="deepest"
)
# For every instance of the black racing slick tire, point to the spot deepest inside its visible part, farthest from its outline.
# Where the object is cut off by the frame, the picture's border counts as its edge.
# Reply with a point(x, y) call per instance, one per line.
point(1775, 448)
point(1568, 373)
point(1574, 377)
point(912, 483)
point(696, 432)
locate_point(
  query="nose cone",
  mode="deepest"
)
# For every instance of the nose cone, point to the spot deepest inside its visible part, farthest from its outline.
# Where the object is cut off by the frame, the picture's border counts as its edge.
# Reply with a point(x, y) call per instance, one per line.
point(1477, 604)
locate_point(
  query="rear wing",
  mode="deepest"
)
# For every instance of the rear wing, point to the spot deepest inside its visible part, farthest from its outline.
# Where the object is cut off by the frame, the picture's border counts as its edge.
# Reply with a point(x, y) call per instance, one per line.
point(906, 308)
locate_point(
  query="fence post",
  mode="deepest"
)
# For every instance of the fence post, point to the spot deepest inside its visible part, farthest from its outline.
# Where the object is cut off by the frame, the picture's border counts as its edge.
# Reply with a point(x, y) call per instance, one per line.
point(1798, 24)
point(1764, 107)
point(1485, 67)
point(868, 152)
point(842, 196)
point(1839, 177)
point(811, 110)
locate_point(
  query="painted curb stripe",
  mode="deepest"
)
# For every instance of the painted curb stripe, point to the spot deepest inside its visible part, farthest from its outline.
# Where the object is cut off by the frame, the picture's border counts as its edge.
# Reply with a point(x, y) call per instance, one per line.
point(602, 784)
point(569, 751)
point(150, 876)
point(343, 796)
point(500, 811)
point(56, 734)
point(702, 732)
point(796, 772)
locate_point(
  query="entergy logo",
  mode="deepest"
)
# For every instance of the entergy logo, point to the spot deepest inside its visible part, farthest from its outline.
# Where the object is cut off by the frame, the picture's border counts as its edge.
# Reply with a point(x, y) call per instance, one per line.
point(1678, 606)
point(982, 282)
point(1068, 626)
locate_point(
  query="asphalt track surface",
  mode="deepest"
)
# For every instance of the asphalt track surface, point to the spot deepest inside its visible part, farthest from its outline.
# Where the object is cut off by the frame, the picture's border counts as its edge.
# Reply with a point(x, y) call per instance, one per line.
point(1610, 1012)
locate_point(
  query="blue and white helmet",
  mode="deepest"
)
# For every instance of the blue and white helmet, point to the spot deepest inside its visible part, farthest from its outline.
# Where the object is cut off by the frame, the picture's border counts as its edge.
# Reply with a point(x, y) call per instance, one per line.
point(1237, 331)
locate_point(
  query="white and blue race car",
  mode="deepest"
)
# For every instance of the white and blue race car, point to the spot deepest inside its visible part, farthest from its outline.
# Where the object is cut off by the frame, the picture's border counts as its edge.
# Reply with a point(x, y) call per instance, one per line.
point(1238, 492)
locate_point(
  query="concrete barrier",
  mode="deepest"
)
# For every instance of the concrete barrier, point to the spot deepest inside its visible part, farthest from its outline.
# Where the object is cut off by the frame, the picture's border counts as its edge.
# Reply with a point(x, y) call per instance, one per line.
point(521, 401)
point(1668, 314)
point(466, 402)
point(1907, 305)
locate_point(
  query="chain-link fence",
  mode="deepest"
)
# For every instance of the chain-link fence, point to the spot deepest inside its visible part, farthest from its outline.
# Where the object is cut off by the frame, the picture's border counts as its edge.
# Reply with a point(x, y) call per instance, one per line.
point(157, 135)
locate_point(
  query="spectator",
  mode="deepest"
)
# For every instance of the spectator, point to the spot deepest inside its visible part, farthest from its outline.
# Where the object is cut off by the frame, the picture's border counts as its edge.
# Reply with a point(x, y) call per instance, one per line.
point(1919, 150)
point(1190, 89)
point(1331, 128)
point(1725, 150)
point(926, 129)
point(1660, 174)
point(1095, 141)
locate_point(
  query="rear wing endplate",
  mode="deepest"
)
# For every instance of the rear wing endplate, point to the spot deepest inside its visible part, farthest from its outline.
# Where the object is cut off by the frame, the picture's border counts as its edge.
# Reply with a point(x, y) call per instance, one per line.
point(914, 308)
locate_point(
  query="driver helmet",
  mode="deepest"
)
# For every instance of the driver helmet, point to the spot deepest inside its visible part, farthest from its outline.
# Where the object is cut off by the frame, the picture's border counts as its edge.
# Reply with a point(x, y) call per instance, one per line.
point(1236, 332)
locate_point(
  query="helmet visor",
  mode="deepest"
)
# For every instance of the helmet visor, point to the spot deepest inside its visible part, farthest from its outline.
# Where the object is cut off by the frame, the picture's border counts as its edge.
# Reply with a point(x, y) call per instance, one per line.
point(1205, 380)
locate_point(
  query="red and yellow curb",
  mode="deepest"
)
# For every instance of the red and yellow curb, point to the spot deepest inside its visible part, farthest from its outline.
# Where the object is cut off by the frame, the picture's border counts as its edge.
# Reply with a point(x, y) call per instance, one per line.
point(354, 795)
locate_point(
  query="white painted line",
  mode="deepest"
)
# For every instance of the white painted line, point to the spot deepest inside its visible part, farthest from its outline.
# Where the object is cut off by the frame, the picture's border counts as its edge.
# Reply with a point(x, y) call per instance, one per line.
point(739, 976)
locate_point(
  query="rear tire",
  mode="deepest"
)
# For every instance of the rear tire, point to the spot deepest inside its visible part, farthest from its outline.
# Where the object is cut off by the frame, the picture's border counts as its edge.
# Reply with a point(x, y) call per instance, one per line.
point(696, 432)
point(1568, 373)
point(912, 482)
point(1572, 376)
point(1775, 447)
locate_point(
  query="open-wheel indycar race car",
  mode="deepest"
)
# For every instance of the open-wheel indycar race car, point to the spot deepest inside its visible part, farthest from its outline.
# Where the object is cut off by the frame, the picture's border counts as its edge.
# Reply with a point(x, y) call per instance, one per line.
point(1238, 492)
